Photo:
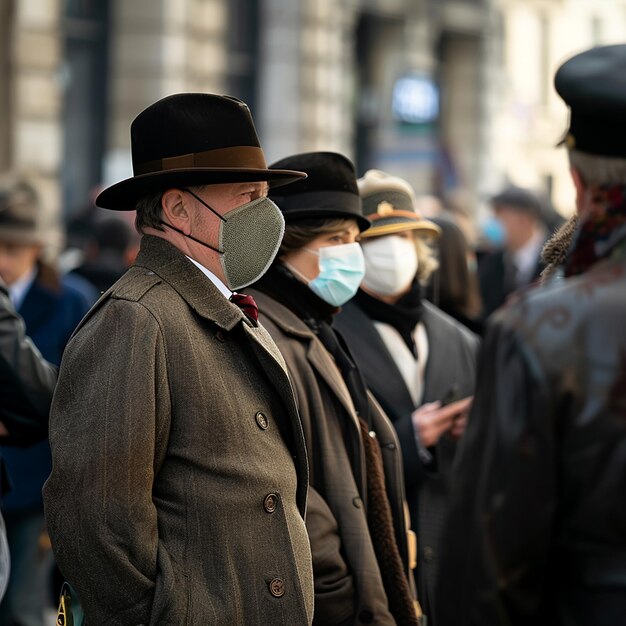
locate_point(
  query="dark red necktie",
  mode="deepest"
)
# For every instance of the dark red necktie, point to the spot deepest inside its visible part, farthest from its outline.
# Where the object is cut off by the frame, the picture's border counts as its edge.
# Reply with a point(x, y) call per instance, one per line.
point(247, 305)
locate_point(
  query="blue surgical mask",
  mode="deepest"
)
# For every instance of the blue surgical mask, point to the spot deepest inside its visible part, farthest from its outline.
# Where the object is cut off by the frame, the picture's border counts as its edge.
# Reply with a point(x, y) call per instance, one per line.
point(494, 232)
point(341, 271)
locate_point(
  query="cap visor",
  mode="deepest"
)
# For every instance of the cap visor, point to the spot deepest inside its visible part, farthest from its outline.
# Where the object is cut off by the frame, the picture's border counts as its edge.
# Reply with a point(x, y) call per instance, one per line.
point(426, 228)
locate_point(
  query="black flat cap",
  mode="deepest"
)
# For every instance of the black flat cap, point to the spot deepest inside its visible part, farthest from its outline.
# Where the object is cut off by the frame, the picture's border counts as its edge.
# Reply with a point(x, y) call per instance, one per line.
point(519, 199)
point(593, 85)
point(329, 191)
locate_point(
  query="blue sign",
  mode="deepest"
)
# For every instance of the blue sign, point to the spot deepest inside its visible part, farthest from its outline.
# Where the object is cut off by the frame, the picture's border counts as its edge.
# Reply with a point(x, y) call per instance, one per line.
point(415, 99)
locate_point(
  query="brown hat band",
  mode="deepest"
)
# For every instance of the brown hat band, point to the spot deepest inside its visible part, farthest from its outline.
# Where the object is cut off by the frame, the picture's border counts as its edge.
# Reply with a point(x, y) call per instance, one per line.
point(236, 157)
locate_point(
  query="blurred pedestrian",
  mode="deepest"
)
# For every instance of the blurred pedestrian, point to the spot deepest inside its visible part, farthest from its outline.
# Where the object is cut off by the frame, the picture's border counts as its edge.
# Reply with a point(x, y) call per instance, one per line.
point(108, 254)
point(179, 482)
point(26, 386)
point(537, 525)
point(518, 263)
point(51, 309)
point(414, 357)
point(453, 286)
point(355, 519)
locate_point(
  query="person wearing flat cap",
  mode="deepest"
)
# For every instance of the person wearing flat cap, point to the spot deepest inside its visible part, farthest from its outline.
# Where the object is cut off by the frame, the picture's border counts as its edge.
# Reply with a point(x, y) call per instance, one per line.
point(537, 526)
point(51, 307)
point(413, 357)
point(356, 517)
point(180, 475)
point(518, 264)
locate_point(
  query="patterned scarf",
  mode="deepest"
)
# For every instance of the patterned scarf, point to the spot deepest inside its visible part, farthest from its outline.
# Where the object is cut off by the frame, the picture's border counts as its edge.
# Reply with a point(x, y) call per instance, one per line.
point(601, 230)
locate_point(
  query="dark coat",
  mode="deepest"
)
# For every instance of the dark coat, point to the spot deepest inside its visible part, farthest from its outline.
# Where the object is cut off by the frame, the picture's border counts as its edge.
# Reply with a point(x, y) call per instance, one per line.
point(451, 361)
point(348, 581)
point(495, 275)
point(26, 380)
point(537, 527)
point(50, 317)
point(26, 384)
point(179, 479)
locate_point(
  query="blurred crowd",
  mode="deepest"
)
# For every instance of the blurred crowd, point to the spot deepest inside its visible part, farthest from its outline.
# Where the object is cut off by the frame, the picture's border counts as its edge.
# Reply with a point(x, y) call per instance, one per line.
point(390, 355)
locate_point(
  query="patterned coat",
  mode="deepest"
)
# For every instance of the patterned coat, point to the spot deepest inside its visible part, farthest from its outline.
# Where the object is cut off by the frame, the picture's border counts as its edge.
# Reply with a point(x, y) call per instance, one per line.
point(179, 479)
point(537, 527)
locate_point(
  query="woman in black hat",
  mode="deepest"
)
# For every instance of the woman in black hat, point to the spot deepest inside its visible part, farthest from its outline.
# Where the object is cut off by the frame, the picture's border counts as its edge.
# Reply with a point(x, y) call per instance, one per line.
point(414, 357)
point(356, 518)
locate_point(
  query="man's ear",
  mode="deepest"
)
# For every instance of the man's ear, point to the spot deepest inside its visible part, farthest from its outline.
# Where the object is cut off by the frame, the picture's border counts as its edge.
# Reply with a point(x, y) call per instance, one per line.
point(581, 188)
point(174, 210)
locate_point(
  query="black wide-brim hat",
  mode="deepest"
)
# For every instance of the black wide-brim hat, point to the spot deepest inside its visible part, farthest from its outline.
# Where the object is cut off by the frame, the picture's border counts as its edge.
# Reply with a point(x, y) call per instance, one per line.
point(191, 139)
point(329, 191)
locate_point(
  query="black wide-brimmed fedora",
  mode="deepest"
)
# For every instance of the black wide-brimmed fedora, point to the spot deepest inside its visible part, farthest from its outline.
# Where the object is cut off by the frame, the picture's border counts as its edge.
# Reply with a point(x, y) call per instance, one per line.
point(192, 139)
point(329, 191)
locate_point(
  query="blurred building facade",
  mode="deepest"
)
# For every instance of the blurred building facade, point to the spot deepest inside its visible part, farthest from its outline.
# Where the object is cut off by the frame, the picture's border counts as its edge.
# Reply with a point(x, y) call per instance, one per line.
point(455, 95)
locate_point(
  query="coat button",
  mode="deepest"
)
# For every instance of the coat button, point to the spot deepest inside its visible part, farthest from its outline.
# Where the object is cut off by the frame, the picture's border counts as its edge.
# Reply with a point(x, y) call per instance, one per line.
point(262, 420)
point(429, 554)
point(277, 587)
point(270, 503)
point(366, 616)
point(220, 336)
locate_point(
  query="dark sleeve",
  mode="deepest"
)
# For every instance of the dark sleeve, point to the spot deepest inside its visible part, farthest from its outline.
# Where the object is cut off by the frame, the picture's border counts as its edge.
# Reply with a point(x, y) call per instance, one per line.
point(26, 380)
point(495, 541)
point(421, 462)
point(108, 427)
point(418, 461)
point(334, 588)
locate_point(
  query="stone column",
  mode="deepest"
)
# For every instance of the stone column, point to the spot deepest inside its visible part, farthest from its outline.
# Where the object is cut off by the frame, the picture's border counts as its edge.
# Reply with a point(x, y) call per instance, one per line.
point(279, 113)
point(159, 47)
point(34, 124)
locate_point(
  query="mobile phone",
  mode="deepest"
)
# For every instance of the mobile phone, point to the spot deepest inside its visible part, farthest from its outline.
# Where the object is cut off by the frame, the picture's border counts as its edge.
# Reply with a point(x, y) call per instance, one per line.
point(452, 395)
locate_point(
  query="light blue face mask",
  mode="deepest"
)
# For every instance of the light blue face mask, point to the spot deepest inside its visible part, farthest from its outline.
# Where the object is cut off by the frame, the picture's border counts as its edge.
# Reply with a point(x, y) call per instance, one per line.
point(341, 271)
point(494, 232)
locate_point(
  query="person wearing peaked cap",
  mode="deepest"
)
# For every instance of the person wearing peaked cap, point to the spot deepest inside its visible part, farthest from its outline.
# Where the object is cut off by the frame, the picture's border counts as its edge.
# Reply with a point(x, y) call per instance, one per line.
point(180, 475)
point(355, 517)
point(413, 356)
point(537, 524)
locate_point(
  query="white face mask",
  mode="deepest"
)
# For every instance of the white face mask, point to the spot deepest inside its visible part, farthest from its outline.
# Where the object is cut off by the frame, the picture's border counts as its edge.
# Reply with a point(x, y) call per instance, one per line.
point(390, 264)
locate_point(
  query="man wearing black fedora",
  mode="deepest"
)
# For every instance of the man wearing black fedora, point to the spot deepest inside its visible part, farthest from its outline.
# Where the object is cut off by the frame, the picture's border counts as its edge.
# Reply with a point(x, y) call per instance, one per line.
point(180, 474)
point(537, 524)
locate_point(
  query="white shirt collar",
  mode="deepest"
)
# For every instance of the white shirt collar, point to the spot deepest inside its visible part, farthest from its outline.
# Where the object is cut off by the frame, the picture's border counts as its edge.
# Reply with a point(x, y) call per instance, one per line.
point(527, 257)
point(19, 289)
point(226, 292)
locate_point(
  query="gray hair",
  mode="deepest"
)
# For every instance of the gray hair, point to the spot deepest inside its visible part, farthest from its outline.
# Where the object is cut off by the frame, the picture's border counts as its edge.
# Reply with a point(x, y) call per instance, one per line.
point(150, 211)
point(598, 170)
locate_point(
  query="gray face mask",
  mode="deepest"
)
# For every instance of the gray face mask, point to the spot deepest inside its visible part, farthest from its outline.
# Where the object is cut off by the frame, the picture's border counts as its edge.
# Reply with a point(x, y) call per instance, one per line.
point(249, 239)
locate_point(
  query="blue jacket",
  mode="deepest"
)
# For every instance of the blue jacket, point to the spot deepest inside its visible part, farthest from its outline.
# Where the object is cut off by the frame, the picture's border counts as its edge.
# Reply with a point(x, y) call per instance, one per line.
point(50, 319)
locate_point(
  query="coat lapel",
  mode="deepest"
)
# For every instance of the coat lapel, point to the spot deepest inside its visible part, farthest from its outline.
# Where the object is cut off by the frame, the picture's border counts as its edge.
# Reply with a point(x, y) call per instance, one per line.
point(325, 366)
point(440, 357)
point(317, 356)
point(378, 367)
point(173, 267)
